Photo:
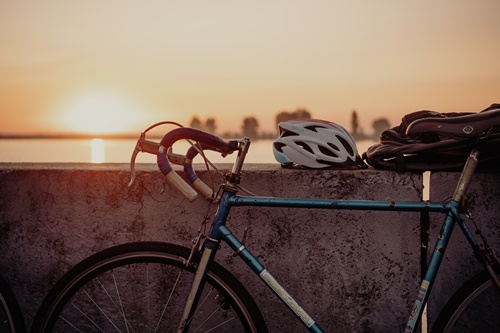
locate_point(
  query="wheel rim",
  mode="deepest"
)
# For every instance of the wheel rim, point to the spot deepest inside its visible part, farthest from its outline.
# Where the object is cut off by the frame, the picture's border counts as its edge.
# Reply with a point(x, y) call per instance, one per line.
point(106, 289)
point(479, 312)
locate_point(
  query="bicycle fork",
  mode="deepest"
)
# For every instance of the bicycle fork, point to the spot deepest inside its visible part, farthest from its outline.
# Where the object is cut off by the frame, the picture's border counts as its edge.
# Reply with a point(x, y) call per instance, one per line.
point(208, 254)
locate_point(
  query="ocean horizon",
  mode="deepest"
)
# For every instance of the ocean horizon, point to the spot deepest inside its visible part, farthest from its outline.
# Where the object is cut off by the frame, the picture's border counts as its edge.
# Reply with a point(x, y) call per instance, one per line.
point(90, 149)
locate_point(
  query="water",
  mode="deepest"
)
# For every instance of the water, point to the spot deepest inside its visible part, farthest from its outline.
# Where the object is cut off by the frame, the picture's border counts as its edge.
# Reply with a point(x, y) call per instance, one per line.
point(113, 151)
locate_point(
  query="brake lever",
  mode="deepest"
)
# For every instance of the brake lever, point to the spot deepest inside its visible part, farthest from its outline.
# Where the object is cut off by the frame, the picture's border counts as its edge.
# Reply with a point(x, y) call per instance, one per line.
point(142, 145)
point(137, 150)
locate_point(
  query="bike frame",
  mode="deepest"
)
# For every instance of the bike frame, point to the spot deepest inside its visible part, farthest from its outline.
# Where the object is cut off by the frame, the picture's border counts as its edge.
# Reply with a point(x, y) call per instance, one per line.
point(229, 199)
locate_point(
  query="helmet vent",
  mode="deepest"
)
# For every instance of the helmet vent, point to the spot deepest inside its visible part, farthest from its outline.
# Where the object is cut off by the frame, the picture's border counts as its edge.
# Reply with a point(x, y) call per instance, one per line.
point(326, 162)
point(333, 146)
point(304, 146)
point(288, 133)
point(327, 151)
point(278, 146)
point(313, 127)
point(346, 145)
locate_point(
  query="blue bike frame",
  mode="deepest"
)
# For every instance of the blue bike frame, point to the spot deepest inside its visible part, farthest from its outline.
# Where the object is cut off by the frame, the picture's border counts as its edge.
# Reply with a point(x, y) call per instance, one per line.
point(230, 199)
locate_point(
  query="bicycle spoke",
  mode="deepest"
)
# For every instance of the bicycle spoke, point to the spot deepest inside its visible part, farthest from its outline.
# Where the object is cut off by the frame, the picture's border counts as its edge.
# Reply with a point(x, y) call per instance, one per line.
point(200, 304)
point(120, 310)
point(70, 324)
point(208, 318)
point(148, 298)
point(87, 317)
point(220, 325)
point(168, 301)
point(120, 301)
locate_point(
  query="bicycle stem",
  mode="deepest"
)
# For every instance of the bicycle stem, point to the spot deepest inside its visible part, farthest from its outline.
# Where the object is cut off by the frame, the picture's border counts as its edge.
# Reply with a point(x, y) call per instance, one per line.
point(233, 178)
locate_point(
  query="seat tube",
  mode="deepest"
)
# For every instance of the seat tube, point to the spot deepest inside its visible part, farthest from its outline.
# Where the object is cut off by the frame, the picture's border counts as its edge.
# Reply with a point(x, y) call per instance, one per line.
point(466, 176)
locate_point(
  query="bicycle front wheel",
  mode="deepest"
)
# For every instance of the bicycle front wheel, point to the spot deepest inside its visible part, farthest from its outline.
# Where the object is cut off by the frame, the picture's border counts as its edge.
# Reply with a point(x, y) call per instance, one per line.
point(11, 319)
point(142, 287)
point(473, 308)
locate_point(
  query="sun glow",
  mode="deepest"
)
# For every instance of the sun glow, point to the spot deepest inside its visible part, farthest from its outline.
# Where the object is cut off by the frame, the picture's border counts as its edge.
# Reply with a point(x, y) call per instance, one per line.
point(97, 151)
point(98, 112)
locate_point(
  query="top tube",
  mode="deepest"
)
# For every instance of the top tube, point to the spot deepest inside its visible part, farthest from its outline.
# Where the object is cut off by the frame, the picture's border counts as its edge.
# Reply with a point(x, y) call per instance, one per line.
point(411, 206)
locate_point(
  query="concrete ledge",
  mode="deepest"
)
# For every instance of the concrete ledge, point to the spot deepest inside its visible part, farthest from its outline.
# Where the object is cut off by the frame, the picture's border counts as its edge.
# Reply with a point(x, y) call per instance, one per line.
point(352, 271)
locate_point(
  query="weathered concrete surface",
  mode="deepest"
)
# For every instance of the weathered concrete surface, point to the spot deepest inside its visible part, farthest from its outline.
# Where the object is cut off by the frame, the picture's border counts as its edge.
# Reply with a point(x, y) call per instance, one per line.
point(459, 264)
point(352, 271)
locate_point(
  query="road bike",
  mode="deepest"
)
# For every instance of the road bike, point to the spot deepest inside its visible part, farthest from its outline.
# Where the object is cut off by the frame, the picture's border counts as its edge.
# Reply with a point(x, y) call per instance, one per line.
point(161, 287)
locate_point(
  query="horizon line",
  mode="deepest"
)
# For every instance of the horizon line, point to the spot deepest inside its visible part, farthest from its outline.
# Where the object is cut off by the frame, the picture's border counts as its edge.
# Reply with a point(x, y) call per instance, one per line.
point(70, 136)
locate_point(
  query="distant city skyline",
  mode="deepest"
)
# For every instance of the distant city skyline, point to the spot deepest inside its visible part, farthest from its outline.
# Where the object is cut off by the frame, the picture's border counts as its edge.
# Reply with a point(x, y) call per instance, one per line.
point(117, 66)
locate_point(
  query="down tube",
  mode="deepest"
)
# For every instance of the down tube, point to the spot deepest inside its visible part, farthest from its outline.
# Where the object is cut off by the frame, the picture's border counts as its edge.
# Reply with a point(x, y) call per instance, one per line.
point(268, 279)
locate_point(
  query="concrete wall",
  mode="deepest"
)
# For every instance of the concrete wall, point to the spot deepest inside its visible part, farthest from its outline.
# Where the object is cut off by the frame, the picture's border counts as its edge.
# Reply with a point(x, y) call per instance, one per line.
point(352, 271)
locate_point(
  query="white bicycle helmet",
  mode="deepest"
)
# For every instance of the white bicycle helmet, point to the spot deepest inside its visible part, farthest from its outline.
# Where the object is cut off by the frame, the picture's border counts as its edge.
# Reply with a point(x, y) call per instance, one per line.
point(315, 144)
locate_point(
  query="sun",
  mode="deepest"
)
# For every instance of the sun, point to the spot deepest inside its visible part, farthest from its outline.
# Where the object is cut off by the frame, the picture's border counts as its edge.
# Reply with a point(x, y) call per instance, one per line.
point(99, 112)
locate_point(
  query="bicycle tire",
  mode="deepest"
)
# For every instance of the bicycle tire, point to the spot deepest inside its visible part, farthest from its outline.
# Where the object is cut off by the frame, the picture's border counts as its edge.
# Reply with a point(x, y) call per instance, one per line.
point(88, 285)
point(475, 307)
point(11, 318)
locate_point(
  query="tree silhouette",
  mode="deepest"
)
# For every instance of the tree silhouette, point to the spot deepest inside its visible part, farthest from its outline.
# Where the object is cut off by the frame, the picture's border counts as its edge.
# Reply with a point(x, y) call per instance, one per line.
point(210, 125)
point(354, 123)
point(285, 115)
point(380, 125)
point(250, 127)
point(196, 123)
point(301, 113)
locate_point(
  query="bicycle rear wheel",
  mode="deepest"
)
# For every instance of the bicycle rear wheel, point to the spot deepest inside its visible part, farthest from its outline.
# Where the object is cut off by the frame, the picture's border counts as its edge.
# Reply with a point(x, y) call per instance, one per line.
point(473, 308)
point(11, 319)
point(142, 287)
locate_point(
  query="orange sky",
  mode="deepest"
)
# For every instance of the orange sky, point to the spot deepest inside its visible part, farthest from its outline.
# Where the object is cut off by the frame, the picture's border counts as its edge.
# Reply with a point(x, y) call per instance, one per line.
point(110, 66)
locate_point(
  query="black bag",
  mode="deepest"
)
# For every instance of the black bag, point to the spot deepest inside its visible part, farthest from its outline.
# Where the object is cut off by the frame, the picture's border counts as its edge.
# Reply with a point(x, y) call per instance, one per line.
point(431, 151)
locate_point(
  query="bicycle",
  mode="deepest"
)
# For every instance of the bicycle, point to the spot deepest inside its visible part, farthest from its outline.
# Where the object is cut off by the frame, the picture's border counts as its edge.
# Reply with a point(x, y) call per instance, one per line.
point(199, 294)
point(11, 318)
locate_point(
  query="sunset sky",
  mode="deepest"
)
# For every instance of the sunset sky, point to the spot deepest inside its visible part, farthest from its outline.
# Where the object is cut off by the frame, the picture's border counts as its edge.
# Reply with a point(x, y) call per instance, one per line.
point(118, 66)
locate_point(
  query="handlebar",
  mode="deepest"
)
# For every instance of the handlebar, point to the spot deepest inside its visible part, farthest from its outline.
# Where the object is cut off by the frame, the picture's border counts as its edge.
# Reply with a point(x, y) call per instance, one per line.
point(165, 156)
point(189, 171)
